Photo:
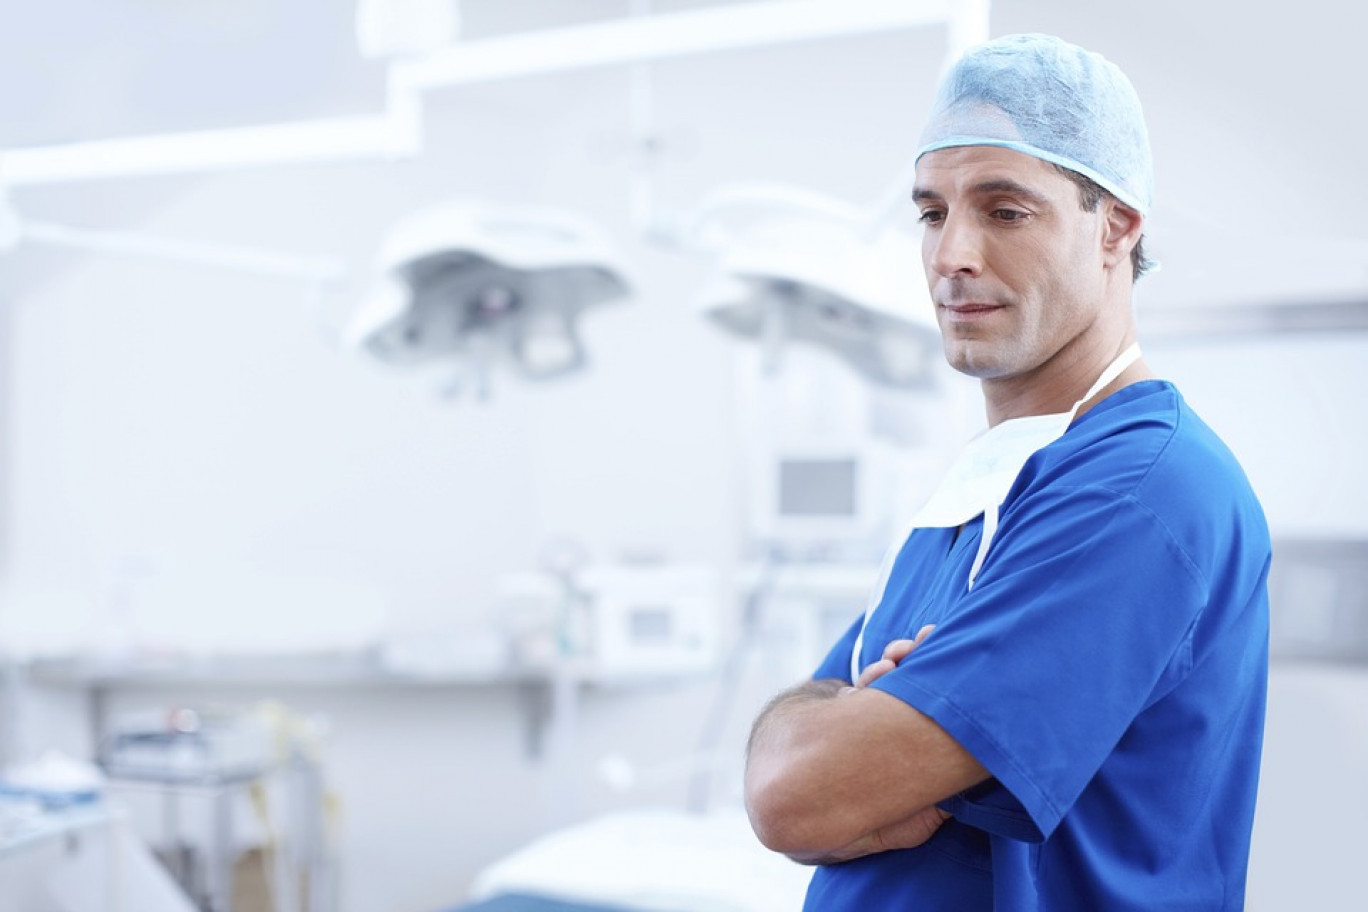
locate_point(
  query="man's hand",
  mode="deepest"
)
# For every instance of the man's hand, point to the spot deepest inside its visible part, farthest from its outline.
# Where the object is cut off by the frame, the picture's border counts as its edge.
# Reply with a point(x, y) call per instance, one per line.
point(921, 826)
point(893, 653)
point(836, 771)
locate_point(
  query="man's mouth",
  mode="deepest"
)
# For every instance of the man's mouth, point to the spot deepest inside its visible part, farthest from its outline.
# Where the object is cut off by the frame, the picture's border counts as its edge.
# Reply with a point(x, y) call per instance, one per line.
point(969, 310)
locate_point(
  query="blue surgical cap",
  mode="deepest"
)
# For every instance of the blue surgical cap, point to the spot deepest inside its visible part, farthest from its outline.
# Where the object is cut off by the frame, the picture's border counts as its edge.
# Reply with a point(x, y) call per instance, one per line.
point(1050, 99)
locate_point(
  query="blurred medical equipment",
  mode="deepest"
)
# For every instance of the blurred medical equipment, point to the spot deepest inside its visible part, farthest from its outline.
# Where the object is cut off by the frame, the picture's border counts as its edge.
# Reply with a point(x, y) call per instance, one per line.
point(832, 462)
point(822, 284)
point(184, 743)
point(27, 819)
point(652, 619)
point(649, 860)
point(522, 308)
point(822, 501)
point(614, 620)
point(810, 607)
point(52, 781)
point(58, 800)
point(792, 265)
point(484, 285)
point(83, 859)
point(201, 768)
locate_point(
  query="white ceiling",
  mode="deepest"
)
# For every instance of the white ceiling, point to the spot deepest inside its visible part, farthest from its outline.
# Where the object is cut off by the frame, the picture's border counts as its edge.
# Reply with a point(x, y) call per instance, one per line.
point(1253, 114)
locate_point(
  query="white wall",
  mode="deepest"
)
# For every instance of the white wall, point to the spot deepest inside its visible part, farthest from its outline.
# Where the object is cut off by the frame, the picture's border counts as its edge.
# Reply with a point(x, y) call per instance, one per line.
point(1291, 410)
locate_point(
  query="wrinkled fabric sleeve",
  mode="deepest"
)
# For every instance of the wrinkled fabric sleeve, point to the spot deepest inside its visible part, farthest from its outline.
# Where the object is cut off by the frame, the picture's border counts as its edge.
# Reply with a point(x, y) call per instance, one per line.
point(1083, 606)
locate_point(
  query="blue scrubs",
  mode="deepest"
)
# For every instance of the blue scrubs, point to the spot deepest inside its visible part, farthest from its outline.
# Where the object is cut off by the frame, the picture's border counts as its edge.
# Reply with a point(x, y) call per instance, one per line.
point(1108, 668)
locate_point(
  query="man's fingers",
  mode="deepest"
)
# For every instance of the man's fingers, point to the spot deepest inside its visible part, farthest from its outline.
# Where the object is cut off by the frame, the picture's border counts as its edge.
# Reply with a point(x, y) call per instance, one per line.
point(874, 671)
point(898, 650)
point(893, 653)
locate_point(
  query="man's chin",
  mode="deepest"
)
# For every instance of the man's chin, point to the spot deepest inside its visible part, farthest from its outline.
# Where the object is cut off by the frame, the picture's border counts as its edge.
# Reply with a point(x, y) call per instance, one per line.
point(973, 360)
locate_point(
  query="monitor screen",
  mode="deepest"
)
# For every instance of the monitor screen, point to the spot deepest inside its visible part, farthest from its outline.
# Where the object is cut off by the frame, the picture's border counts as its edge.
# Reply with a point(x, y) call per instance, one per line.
point(818, 488)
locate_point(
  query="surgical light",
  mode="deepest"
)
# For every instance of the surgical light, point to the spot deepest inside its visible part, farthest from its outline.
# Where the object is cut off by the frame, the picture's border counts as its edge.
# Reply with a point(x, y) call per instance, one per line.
point(480, 285)
point(824, 282)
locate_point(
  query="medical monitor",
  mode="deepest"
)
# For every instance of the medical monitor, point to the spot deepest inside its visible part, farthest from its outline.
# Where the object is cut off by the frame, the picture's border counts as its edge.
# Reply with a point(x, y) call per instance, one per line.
point(821, 489)
point(811, 501)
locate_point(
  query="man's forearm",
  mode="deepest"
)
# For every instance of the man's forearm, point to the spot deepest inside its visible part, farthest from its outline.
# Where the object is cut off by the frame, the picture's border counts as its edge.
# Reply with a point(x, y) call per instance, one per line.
point(835, 771)
point(806, 692)
point(906, 833)
point(769, 741)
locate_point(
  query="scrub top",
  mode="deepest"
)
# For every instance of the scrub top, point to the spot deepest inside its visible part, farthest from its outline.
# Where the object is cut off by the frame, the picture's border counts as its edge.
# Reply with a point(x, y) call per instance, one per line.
point(1108, 668)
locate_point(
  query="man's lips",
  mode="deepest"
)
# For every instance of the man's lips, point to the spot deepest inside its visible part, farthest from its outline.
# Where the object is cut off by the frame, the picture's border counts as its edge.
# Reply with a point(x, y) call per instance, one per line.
point(969, 311)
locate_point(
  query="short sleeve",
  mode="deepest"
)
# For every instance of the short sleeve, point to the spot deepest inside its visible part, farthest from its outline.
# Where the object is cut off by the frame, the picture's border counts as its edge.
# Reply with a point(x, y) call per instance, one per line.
point(837, 662)
point(991, 808)
point(1081, 610)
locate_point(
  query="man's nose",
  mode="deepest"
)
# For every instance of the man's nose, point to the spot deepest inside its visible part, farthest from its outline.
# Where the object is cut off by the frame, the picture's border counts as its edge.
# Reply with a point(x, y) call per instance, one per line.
point(954, 248)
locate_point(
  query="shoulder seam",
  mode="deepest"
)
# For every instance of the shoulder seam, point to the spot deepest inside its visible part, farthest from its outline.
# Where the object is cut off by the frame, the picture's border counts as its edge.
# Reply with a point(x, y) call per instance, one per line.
point(1193, 570)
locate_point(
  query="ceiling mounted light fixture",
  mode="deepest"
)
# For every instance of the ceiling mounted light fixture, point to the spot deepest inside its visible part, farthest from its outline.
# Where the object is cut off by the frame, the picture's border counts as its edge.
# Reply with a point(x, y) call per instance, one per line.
point(821, 281)
point(478, 285)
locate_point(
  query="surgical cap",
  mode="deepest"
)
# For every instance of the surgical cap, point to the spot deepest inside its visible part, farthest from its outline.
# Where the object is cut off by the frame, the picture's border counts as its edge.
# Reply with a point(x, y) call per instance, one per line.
point(1050, 99)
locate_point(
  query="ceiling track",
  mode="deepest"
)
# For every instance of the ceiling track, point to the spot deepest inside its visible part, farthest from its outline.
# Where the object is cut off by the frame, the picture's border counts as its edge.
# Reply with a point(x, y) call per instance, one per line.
point(397, 133)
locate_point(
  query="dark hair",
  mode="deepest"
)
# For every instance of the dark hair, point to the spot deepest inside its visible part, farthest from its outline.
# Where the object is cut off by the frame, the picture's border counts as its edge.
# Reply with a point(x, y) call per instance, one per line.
point(1090, 196)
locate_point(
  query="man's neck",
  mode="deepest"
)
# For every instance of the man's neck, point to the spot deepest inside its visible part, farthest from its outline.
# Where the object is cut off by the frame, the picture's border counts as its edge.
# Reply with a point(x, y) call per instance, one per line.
point(1055, 386)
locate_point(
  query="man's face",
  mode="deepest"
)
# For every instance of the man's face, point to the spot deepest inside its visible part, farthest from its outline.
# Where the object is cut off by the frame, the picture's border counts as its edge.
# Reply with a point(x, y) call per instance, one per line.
point(1014, 264)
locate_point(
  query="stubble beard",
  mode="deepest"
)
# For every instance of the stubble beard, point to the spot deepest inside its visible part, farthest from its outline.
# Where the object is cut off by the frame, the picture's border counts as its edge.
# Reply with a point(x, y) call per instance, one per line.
point(983, 359)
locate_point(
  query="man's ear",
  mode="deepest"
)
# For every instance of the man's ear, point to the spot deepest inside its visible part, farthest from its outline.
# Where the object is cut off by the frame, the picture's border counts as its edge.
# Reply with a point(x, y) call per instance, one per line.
point(1121, 230)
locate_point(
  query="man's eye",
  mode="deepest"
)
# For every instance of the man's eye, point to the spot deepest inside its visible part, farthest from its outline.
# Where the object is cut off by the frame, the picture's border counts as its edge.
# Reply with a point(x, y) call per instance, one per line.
point(1008, 215)
point(930, 216)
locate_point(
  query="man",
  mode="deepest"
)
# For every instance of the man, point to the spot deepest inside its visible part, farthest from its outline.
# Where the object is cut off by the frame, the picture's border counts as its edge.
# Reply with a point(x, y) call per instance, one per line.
point(1056, 700)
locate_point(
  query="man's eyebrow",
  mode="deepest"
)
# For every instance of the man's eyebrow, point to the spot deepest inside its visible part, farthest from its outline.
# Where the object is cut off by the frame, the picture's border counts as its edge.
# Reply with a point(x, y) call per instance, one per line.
point(996, 185)
point(1006, 185)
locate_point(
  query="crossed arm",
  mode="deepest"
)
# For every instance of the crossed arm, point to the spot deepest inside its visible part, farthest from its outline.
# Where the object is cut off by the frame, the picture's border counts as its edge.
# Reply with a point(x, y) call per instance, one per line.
point(835, 772)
